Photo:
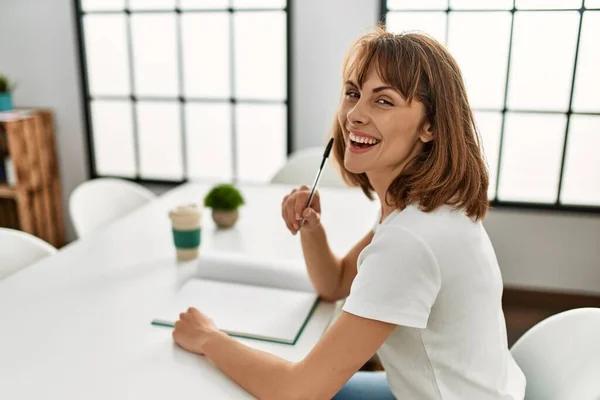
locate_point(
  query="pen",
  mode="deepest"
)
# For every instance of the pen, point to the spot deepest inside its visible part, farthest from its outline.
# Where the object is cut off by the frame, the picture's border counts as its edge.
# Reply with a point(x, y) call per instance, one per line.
point(318, 177)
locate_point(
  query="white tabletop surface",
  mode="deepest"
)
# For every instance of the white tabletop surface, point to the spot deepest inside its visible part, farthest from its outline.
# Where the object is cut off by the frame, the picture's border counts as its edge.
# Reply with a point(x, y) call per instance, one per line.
point(77, 325)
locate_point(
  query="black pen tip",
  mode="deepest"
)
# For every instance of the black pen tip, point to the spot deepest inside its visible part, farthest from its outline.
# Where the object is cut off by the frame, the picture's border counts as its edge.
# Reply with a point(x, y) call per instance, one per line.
point(328, 148)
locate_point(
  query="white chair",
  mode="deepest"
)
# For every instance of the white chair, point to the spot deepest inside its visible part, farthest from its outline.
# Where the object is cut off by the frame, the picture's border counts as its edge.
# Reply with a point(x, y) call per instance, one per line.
point(99, 201)
point(20, 249)
point(301, 169)
point(560, 356)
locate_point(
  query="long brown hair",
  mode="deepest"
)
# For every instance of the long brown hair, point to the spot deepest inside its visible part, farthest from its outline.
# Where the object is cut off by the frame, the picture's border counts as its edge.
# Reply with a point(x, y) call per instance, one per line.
point(451, 170)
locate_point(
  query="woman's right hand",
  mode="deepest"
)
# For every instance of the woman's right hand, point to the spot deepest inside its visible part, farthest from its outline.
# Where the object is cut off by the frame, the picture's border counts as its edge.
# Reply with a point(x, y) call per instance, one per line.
point(293, 210)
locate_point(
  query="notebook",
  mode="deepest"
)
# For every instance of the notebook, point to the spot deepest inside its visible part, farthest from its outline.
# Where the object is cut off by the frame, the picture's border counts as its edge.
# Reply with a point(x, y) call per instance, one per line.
point(249, 298)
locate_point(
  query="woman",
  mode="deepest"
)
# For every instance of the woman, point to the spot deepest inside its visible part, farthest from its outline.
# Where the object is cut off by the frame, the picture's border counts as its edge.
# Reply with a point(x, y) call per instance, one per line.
point(423, 288)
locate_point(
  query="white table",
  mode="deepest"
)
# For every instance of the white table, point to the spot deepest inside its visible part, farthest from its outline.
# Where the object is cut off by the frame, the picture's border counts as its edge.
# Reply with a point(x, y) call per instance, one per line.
point(77, 325)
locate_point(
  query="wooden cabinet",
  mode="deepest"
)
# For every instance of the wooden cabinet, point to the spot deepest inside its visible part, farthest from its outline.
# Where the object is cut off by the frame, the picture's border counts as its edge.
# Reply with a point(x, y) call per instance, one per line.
point(34, 203)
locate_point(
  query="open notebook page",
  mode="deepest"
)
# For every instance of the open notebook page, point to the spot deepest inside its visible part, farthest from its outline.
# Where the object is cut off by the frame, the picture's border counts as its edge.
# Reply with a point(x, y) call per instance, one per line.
point(243, 310)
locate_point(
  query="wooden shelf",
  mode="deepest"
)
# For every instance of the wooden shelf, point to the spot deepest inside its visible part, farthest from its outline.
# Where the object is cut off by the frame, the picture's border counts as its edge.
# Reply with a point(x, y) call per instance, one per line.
point(7, 192)
point(34, 205)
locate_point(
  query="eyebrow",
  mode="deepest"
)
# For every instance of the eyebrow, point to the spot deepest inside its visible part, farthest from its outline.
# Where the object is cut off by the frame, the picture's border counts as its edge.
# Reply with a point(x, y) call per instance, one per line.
point(377, 89)
point(380, 88)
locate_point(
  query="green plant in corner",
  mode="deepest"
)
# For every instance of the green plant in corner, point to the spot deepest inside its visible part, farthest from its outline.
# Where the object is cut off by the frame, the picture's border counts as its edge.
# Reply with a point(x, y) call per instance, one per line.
point(224, 199)
point(6, 86)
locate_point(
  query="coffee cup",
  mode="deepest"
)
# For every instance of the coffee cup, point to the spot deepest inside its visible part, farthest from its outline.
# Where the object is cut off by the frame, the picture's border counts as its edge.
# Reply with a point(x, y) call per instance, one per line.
point(187, 230)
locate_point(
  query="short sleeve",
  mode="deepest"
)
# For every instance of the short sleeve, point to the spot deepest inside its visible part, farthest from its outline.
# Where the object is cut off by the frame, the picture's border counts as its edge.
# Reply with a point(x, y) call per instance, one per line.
point(398, 279)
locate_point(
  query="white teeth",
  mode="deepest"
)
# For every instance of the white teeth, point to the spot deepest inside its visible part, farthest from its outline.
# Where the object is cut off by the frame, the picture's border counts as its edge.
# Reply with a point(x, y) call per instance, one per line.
point(362, 139)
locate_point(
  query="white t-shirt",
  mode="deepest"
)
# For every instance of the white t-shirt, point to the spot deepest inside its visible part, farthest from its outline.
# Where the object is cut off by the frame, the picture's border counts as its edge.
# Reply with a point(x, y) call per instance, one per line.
point(436, 276)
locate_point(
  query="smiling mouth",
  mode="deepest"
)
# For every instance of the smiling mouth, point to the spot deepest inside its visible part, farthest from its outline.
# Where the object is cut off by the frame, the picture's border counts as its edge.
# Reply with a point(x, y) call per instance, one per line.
point(361, 142)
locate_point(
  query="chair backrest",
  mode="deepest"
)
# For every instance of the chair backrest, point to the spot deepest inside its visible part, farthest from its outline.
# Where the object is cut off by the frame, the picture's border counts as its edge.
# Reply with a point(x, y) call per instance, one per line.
point(19, 249)
point(560, 356)
point(301, 169)
point(99, 201)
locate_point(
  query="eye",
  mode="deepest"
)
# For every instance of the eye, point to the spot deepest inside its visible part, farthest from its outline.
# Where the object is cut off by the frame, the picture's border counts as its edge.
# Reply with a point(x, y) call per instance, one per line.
point(384, 102)
point(352, 93)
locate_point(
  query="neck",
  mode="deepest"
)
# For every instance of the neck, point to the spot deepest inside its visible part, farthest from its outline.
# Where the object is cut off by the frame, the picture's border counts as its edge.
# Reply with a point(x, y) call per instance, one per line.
point(382, 179)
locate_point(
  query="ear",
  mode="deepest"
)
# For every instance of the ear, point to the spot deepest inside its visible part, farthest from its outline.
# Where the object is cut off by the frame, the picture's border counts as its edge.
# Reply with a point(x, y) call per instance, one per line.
point(426, 135)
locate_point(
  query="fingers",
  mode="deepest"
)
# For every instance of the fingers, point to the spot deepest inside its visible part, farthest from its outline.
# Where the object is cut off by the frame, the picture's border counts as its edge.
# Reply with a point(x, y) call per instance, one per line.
point(194, 312)
point(310, 216)
point(285, 210)
point(300, 204)
point(191, 312)
point(284, 205)
point(293, 206)
point(289, 213)
point(316, 202)
point(177, 326)
point(186, 314)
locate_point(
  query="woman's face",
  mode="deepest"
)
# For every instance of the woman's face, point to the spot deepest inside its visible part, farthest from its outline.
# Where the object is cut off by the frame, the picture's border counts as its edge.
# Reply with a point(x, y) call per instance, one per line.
point(380, 129)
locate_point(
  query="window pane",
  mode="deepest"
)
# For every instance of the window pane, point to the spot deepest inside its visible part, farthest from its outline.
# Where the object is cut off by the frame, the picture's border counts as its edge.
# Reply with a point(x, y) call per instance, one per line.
point(482, 58)
point(152, 4)
point(548, 4)
point(587, 80)
point(208, 133)
point(154, 54)
point(206, 62)
point(106, 54)
point(159, 134)
point(261, 140)
point(542, 65)
point(581, 181)
point(592, 3)
point(417, 4)
point(489, 125)
point(531, 157)
point(481, 5)
point(204, 4)
point(432, 23)
point(260, 55)
point(259, 3)
point(113, 138)
point(102, 5)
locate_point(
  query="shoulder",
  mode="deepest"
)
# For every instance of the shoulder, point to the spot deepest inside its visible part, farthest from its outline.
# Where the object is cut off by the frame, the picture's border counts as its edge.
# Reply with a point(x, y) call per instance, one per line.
point(443, 223)
point(394, 243)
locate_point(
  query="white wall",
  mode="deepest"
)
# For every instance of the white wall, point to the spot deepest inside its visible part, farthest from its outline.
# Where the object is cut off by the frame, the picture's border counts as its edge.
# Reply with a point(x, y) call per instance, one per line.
point(322, 32)
point(547, 250)
point(37, 46)
point(38, 49)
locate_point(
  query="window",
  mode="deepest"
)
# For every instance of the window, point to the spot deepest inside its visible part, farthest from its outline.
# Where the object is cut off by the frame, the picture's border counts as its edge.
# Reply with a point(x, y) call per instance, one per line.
point(531, 72)
point(186, 89)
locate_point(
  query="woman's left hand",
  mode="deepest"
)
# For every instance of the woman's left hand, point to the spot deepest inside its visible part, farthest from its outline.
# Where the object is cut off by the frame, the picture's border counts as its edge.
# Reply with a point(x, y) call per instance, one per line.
point(193, 329)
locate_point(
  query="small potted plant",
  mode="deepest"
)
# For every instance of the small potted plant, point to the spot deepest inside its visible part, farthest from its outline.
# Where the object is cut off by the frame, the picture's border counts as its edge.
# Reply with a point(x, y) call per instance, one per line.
point(6, 88)
point(224, 199)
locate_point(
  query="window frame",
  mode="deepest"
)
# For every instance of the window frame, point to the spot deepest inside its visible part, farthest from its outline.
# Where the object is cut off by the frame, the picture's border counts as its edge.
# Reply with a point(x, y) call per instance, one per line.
point(495, 202)
point(181, 99)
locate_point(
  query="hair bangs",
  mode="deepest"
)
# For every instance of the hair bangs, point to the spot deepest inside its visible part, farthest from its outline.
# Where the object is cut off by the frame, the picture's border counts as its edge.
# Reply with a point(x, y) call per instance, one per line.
point(394, 65)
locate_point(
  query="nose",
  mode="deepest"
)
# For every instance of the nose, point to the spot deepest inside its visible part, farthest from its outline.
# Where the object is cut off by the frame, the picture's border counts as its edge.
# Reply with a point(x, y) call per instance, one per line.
point(357, 115)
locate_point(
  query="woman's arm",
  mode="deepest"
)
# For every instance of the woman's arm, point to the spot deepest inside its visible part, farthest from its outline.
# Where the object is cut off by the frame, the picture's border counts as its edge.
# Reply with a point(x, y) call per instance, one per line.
point(330, 275)
point(344, 348)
